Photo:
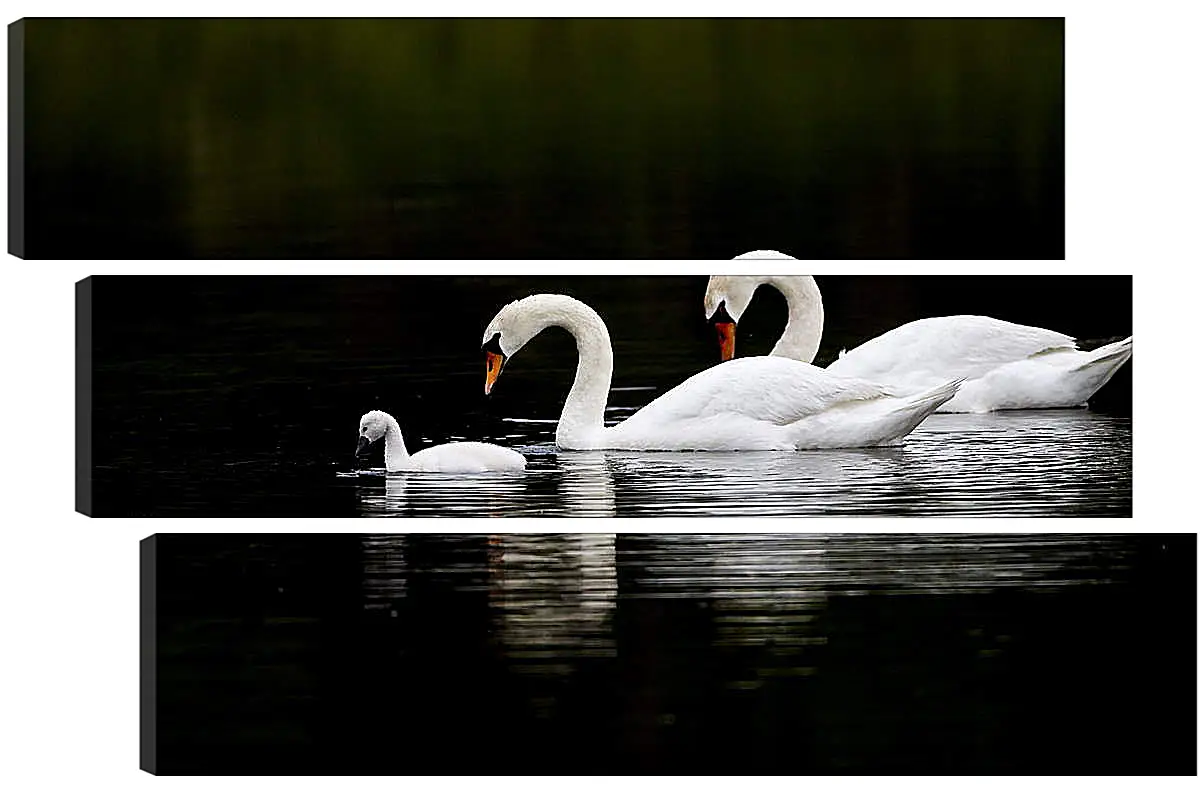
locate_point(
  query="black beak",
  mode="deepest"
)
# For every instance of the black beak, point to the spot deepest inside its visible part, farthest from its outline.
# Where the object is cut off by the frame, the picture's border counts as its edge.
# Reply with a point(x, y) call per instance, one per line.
point(720, 315)
point(363, 444)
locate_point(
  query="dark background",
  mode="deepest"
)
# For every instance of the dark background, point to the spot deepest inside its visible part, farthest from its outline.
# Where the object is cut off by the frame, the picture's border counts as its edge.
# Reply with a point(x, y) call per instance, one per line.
point(197, 380)
point(543, 138)
point(268, 661)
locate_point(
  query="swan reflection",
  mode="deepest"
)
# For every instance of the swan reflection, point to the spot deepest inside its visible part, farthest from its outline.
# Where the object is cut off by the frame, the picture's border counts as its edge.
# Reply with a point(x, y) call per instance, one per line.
point(804, 569)
point(547, 603)
point(552, 598)
point(435, 495)
point(762, 590)
point(771, 590)
point(587, 483)
point(385, 569)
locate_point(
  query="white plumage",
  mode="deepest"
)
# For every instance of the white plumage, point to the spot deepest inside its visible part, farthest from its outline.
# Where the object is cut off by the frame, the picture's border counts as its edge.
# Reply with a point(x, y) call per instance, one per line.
point(457, 457)
point(1005, 365)
point(748, 404)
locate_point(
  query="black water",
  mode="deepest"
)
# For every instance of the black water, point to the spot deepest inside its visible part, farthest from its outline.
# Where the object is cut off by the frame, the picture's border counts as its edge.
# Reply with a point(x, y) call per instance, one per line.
point(543, 138)
point(217, 396)
point(799, 653)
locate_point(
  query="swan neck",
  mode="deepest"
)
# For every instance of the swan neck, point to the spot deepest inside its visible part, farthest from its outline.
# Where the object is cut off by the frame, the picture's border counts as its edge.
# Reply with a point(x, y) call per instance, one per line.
point(806, 317)
point(582, 419)
point(395, 454)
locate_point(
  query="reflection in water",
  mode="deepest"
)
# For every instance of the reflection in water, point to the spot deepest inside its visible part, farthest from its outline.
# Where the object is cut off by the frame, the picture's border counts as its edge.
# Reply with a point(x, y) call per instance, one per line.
point(432, 493)
point(587, 484)
point(769, 591)
point(385, 569)
point(553, 597)
point(673, 653)
point(782, 566)
point(1072, 462)
point(577, 484)
point(844, 652)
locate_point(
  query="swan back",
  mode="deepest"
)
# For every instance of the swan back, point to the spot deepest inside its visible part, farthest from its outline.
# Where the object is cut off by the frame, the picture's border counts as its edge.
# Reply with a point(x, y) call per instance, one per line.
point(775, 390)
point(934, 349)
point(767, 403)
point(467, 457)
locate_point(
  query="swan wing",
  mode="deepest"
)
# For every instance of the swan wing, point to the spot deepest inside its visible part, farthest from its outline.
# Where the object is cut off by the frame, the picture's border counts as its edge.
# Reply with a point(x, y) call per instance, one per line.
point(929, 351)
point(775, 390)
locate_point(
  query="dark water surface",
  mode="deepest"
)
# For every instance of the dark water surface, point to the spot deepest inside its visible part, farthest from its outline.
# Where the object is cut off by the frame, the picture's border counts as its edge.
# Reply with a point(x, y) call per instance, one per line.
point(543, 138)
point(217, 396)
point(675, 653)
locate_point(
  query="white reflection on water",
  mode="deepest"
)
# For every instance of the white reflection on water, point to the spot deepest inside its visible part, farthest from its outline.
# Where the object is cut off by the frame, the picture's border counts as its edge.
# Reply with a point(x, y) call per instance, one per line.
point(801, 566)
point(385, 569)
point(587, 484)
point(767, 591)
point(575, 484)
point(553, 597)
point(659, 638)
point(1040, 463)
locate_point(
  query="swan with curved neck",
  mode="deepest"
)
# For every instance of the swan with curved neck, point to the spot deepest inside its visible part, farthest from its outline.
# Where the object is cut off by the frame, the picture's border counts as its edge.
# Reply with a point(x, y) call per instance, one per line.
point(451, 457)
point(1006, 365)
point(745, 404)
point(728, 296)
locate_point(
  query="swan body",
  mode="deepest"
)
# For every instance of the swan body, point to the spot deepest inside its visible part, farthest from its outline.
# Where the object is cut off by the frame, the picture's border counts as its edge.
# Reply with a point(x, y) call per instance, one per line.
point(456, 457)
point(1008, 366)
point(748, 404)
point(1005, 365)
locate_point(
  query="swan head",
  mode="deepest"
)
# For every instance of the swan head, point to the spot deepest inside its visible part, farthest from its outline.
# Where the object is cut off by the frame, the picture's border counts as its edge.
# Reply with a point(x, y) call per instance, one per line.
point(735, 291)
point(371, 428)
point(725, 301)
point(731, 293)
point(510, 330)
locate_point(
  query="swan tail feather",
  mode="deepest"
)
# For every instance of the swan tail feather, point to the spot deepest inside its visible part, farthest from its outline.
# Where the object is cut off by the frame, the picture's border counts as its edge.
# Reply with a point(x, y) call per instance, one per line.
point(933, 398)
point(886, 422)
point(914, 409)
point(1116, 354)
point(1097, 368)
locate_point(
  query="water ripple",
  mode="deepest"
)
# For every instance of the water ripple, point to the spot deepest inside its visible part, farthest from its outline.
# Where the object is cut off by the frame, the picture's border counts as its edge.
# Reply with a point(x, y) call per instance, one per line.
point(1023, 463)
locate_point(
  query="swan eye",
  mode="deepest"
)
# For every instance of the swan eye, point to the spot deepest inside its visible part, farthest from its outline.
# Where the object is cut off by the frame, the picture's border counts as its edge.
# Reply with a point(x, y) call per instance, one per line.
point(364, 428)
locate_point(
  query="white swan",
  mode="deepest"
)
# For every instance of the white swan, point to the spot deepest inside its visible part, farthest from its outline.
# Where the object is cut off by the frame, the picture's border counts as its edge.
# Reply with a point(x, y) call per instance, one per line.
point(747, 404)
point(1007, 366)
point(452, 457)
